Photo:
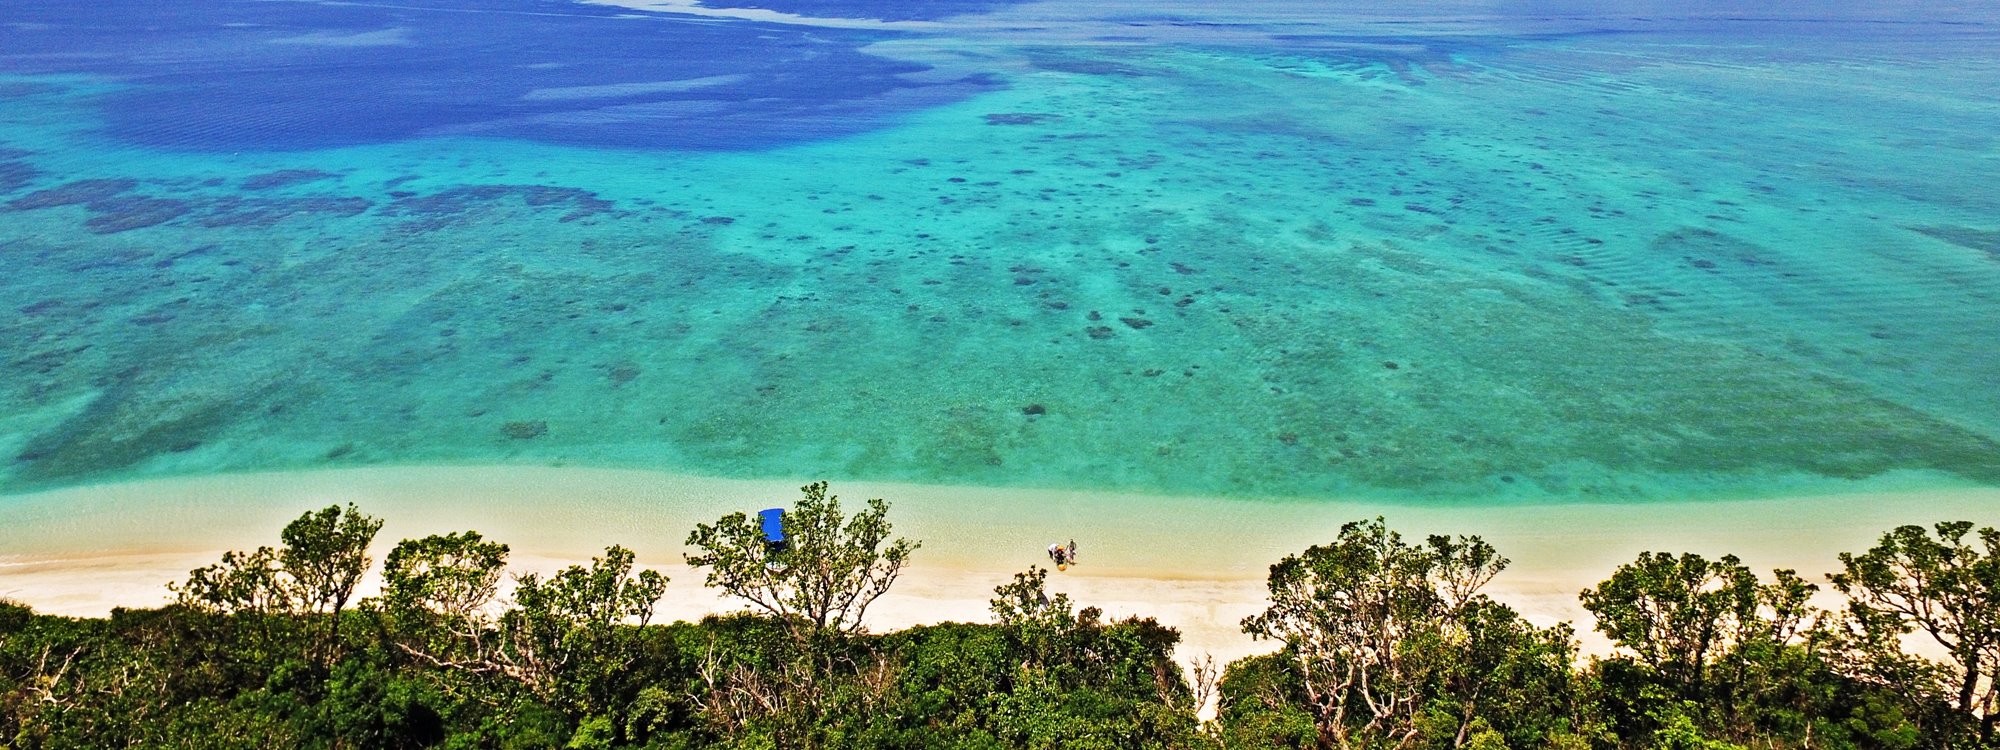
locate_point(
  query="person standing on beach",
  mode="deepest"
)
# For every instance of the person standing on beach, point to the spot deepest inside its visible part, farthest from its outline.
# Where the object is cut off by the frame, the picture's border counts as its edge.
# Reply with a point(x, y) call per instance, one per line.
point(1072, 551)
point(1057, 554)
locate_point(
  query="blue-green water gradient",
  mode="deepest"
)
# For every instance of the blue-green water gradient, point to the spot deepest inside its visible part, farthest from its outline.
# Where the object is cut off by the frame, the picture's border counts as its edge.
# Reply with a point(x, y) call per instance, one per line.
point(1254, 250)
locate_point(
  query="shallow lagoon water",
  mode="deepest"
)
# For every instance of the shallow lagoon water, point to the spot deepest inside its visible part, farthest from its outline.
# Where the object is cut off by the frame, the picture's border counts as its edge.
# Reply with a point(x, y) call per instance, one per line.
point(1259, 252)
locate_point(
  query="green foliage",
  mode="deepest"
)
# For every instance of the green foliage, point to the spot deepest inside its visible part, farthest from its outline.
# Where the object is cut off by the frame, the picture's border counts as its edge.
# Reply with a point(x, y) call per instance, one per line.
point(323, 557)
point(247, 582)
point(368, 704)
point(1719, 659)
point(436, 592)
point(1043, 627)
point(1385, 644)
point(1678, 732)
point(832, 568)
point(1392, 642)
point(561, 637)
point(1677, 614)
point(325, 553)
point(1262, 703)
point(1945, 589)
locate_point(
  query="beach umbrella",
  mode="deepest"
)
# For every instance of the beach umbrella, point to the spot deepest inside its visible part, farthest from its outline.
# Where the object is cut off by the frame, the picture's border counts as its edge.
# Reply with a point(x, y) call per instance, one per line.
point(773, 520)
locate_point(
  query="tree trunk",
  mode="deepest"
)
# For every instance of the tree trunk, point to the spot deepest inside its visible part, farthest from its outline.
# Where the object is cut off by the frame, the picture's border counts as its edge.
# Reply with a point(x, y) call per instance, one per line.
point(1970, 686)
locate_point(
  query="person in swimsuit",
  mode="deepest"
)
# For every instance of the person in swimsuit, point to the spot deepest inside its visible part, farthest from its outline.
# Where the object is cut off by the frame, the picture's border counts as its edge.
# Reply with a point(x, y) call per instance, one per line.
point(1058, 554)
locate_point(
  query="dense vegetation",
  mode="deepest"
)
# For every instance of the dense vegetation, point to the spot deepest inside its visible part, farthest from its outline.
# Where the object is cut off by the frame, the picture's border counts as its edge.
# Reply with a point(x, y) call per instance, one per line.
point(1380, 643)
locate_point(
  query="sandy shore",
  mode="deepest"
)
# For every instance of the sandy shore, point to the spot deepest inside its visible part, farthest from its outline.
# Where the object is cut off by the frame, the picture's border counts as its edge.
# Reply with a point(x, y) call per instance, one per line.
point(1194, 563)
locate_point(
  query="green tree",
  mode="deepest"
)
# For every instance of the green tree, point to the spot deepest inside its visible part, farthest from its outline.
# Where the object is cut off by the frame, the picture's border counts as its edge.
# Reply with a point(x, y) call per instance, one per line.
point(558, 638)
point(817, 589)
point(831, 569)
point(1392, 643)
point(1261, 703)
point(1945, 589)
point(243, 582)
point(436, 595)
point(1044, 626)
point(1497, 676)
point(324, 555)
point(1709, 651)
point(1677, 615)
point(1061, 662)
point(325, 552)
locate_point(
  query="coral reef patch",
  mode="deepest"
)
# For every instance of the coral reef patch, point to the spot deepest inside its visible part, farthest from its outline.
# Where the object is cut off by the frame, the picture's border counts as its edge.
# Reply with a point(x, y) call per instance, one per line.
point(525, 430)
point(1984, 240)
point(1019, 118)
point(15, 175)
point(446, 206)
point(75, 193)
point(126, 213)
point(233, 211)
point(284, 178)
point(122, 427)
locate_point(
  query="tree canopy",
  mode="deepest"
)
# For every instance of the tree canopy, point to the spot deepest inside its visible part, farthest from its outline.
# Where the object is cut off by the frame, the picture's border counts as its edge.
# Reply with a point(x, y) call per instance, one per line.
point(1381, 643)
point(831, 569)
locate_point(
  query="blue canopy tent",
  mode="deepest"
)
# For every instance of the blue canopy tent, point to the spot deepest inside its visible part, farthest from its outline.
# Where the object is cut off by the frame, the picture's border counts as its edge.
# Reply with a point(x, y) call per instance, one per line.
point(773, 520)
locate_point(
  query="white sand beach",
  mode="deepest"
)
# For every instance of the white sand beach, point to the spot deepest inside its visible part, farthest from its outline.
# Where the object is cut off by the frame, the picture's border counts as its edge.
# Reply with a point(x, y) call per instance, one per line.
point(1195, 563)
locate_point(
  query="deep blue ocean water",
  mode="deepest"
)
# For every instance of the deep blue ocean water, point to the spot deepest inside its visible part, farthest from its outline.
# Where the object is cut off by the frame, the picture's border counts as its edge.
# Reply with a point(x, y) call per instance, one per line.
point(1446, 251)
point(258, 75)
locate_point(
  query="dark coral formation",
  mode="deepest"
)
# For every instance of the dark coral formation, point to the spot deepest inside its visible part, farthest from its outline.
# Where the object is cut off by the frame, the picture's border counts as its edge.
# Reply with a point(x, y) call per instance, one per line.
point(1085, 66)
point(264, 212)
point(15, 175)
point(1983, 240)
point(525, 430)
point(1020, 118)
point(43, 306)
point(121, 428)
point(623, 373)
point(126, 213)
point(112, 209)
point(75, 193)
point(1696, 245)
point(450, 205)
point(285, 178)
point(115, 209)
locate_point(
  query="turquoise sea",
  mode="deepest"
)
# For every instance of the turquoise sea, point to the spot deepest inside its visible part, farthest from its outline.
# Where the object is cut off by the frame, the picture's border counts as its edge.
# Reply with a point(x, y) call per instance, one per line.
point(1429, 251)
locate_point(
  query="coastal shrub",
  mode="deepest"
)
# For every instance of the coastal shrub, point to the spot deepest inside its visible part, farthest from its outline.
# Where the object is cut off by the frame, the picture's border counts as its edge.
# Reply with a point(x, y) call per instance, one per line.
point(1390, 643)
point(563, 637)
point(14, 615)
point(313, 574)
point(436, 599)
point(1710, 654)
point(1261, 703)
point(830, 570)
point(1381, 643)
point(1942, 585)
